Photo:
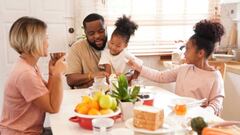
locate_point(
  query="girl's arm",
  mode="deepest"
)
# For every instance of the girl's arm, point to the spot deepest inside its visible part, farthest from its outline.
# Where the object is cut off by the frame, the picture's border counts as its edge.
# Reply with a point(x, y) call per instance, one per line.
point(216, 96)
point(166, 76)
point(152, 74)
point(107, 68)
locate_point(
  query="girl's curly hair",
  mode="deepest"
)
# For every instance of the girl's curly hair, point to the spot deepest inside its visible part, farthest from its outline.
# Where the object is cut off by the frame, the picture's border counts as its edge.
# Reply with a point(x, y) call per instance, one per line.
point(125, 27)
point(207, 33)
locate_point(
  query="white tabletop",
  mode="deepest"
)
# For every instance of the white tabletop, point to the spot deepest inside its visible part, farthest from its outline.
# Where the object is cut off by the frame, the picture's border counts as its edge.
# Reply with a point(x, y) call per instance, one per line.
point(61, 125)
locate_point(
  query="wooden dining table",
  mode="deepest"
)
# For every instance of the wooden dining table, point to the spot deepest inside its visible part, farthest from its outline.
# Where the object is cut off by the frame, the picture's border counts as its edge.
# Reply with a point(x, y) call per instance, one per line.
point(61, 125)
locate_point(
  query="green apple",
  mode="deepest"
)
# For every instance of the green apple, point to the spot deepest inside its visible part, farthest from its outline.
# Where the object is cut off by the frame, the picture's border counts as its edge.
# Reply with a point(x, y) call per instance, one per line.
point(106, 111)
point(114, 104)
point(105, 101)
point(97, 95)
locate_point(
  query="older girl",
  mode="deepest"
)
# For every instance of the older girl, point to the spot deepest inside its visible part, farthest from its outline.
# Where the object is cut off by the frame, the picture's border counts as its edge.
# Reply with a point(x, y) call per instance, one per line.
point(197, 78)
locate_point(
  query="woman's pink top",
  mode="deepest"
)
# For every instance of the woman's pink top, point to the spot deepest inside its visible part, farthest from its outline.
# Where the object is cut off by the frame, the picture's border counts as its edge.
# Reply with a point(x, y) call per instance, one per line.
point(192, 82)
point(20, 115)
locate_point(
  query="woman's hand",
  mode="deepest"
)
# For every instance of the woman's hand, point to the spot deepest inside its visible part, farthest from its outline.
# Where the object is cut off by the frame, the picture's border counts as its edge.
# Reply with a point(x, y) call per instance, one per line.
point(57, 68)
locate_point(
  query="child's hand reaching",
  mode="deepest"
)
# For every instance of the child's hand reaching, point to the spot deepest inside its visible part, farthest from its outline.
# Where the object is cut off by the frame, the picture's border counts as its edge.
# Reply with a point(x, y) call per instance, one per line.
point(135, 64)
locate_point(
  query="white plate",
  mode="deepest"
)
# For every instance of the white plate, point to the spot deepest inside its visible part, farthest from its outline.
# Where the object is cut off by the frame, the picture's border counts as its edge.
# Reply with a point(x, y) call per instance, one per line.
point(165, 129)
point(183, 100)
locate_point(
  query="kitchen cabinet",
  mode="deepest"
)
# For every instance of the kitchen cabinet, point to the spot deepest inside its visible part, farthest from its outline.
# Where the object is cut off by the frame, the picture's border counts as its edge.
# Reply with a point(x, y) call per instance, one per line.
point(231, 105)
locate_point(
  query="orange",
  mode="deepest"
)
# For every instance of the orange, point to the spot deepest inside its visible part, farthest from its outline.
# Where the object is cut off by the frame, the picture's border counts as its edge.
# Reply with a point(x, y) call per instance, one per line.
point(78, 106)
point(94, 104)
point(93, 111)
point(86, 99)
point(82, 108)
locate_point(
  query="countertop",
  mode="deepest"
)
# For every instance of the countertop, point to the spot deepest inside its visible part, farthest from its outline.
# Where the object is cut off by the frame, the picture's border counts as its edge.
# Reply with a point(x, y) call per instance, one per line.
point(232, 66)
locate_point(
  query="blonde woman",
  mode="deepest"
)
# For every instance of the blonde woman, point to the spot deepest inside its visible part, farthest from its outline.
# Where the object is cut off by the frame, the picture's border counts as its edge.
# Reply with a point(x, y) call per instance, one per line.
point(27, 97)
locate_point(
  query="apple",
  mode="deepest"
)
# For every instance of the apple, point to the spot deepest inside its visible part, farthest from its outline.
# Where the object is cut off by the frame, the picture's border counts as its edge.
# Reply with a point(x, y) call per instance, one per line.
point(97, 95)
point(105, 101)
point(106, 111)
point(114, 104)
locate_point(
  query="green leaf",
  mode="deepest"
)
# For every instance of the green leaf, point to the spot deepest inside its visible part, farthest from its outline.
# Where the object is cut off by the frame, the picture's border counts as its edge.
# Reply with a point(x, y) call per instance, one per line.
point(115, 92)
point(122, 81)
point(135, 92)
point(122, 92)
point(125, 94)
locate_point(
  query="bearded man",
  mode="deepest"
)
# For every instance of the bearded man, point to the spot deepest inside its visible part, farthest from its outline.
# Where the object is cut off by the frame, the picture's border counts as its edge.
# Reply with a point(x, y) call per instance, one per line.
point(83, 56)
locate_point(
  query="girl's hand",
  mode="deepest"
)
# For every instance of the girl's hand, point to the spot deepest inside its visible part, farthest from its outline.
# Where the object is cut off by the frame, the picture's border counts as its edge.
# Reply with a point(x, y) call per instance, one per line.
point(57, 68)
point(135, 64)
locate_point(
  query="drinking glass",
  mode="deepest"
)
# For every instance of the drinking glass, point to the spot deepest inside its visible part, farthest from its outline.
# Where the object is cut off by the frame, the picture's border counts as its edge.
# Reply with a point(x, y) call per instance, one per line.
point(102, 126)
point(180, 109)
point(56, 55)
point(137, 82)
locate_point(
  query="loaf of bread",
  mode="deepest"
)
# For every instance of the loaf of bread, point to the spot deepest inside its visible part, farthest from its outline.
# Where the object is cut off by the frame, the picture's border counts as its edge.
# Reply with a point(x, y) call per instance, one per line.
point(148, 117)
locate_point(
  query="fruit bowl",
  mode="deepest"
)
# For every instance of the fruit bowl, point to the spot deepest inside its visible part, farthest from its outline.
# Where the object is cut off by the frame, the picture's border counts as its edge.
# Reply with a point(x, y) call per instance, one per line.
point(85, 121)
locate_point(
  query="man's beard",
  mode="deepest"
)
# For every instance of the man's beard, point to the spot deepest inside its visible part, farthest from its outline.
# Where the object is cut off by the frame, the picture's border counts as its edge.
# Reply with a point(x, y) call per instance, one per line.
point(93, 44)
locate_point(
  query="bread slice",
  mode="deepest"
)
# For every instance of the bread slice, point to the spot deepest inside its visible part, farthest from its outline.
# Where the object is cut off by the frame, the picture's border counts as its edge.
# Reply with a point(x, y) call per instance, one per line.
point(148, 117)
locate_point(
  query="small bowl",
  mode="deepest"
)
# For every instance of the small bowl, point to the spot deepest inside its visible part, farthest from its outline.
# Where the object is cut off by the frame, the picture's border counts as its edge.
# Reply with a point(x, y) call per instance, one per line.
point(147, 98)
point(85, 121)
point(56, 55)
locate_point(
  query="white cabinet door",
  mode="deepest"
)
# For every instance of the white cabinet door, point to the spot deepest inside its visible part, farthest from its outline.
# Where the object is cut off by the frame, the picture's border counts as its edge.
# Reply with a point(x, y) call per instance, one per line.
point(58, 14)
point(231, 105)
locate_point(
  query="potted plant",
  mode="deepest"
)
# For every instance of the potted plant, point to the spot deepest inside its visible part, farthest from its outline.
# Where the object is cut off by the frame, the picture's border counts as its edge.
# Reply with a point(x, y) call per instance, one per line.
point(127, 97)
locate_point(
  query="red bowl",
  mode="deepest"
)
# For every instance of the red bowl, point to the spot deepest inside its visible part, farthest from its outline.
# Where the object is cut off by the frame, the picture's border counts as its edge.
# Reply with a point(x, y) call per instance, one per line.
point(85, 121)
point(148, 102)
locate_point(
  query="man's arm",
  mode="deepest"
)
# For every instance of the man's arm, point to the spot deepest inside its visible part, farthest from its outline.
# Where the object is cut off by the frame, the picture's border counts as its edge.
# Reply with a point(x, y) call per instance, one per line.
point(83, 80)
point(78, 79)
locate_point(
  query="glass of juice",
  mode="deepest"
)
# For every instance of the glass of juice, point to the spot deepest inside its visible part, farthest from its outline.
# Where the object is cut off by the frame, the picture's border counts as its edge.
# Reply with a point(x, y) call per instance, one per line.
point(180, 109)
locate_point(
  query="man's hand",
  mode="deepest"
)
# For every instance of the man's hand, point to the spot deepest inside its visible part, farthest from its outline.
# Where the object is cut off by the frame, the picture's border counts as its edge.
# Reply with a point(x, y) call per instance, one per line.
point(100, 74)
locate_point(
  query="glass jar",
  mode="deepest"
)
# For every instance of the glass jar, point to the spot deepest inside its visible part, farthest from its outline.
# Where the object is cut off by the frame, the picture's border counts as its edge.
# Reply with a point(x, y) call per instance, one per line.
point(113, 80)
point(100, 84)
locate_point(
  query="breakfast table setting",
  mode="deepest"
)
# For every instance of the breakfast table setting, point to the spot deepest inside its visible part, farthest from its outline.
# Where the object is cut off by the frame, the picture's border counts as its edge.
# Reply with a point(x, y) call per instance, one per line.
point(64, 122)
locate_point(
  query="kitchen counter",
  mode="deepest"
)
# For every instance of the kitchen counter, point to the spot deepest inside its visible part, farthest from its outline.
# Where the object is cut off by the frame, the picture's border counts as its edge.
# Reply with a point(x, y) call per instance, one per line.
point(231, 66)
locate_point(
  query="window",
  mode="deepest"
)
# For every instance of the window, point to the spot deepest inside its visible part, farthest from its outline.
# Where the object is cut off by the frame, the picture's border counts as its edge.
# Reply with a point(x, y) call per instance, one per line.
point(161, 22)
